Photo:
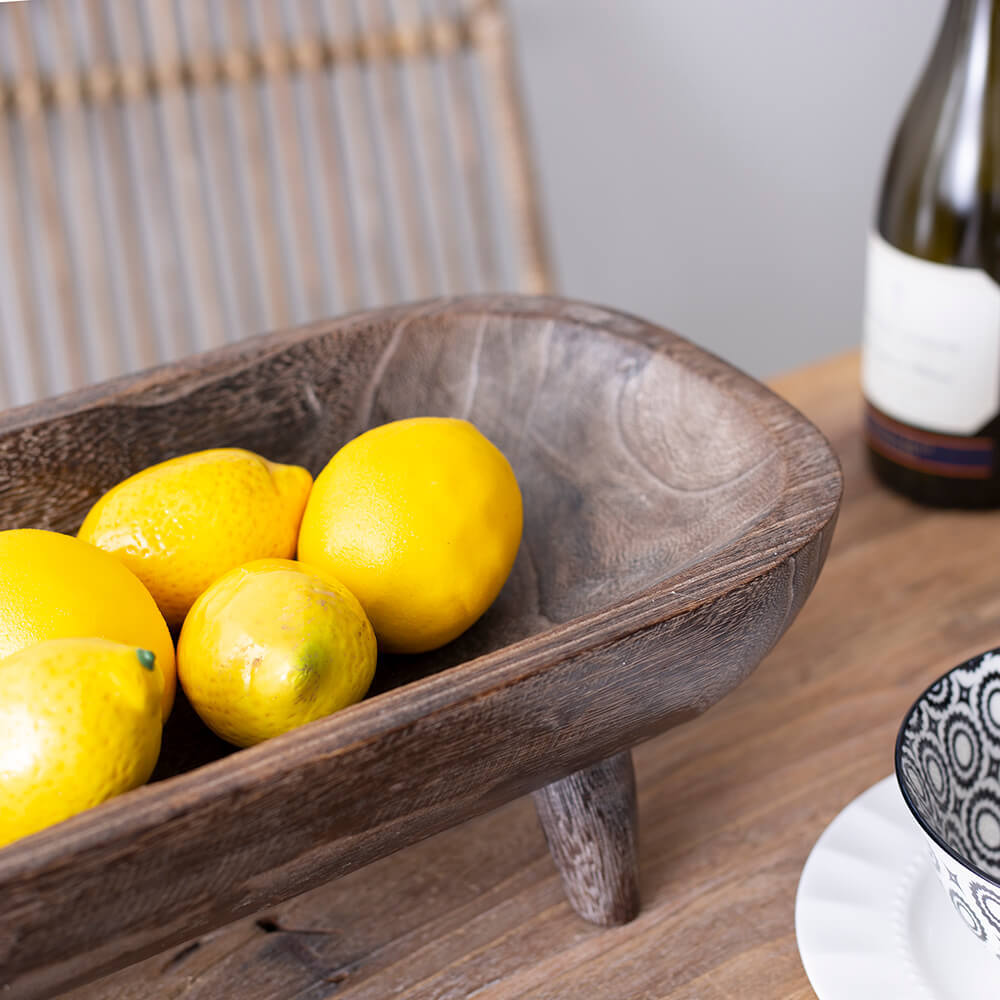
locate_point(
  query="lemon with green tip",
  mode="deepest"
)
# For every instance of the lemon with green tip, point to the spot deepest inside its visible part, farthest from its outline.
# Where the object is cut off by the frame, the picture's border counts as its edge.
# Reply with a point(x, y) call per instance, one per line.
point(80, 722)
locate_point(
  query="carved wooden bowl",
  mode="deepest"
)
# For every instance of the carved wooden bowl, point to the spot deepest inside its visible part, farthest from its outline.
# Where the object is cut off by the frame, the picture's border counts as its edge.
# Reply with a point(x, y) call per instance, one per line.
point(677, 515)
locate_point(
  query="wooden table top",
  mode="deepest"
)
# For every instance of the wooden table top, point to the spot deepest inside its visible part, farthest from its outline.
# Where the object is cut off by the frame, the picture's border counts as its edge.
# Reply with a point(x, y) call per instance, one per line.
point(730, 804)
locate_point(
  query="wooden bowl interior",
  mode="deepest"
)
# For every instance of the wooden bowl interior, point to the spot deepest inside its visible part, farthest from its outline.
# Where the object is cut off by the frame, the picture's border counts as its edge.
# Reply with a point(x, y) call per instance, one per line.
point(632, 465)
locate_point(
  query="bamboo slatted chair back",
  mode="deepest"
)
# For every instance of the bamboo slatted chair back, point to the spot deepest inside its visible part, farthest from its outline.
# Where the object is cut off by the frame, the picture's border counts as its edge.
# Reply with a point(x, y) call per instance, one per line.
point(176, 174)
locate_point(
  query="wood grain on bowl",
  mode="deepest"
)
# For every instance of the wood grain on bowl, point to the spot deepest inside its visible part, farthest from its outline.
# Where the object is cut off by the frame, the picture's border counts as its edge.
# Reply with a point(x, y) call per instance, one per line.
point(677, 515)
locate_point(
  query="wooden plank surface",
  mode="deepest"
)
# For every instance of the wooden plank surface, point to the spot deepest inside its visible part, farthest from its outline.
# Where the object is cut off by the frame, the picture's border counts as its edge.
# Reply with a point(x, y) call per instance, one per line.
point(730, 803)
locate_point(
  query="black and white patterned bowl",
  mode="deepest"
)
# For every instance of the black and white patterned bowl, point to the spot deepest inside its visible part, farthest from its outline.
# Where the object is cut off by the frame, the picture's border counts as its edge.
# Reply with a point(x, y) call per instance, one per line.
point(948, 769)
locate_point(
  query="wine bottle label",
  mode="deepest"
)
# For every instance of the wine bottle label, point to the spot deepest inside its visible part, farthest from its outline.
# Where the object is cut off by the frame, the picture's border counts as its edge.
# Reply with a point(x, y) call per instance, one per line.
point(931, 355)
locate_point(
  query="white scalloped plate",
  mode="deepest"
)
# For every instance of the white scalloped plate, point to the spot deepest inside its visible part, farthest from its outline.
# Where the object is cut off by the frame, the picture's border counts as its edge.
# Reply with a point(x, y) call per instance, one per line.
point(871, 920)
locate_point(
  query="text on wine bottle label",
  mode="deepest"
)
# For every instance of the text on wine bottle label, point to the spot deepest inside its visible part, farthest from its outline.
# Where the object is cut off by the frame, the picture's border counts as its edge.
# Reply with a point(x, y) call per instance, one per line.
point(931, 353)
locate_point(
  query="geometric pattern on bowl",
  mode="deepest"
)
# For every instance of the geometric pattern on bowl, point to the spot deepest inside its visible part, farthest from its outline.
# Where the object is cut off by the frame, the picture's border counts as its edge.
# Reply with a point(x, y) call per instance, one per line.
point(948, 769)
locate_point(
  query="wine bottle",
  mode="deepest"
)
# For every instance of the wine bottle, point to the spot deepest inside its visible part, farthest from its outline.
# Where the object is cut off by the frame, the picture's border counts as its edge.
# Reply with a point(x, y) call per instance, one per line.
point(931, 350)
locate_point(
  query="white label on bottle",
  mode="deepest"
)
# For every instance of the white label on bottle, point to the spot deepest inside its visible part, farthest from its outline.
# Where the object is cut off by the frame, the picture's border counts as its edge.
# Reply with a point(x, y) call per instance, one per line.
point(931, 354)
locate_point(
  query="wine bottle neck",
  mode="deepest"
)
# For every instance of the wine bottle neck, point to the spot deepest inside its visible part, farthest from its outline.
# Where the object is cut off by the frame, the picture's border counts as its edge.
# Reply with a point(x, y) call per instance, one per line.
point(967, 22)
point(965, 144)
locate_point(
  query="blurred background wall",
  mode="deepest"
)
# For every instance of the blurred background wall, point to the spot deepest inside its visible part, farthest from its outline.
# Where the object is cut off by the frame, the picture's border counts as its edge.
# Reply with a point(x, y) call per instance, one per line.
point(713, 164)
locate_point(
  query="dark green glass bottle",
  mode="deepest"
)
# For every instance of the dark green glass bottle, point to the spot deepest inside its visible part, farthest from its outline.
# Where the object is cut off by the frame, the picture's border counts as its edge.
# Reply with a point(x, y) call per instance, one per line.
point(931, 354)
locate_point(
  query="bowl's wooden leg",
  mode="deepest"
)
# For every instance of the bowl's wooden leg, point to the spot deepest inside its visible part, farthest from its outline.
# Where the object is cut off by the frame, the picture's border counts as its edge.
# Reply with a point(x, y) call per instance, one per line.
point(590, 820)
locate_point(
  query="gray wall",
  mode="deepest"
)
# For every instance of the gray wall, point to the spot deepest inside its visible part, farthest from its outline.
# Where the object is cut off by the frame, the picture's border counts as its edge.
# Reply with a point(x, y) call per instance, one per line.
point(712, 164)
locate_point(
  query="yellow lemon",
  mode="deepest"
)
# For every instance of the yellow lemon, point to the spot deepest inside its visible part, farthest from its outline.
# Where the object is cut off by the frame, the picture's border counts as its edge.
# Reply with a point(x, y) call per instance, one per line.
point(183, 523)
point(79, 723)
point(421, 519)
point(273, 645)
point(54, 586)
